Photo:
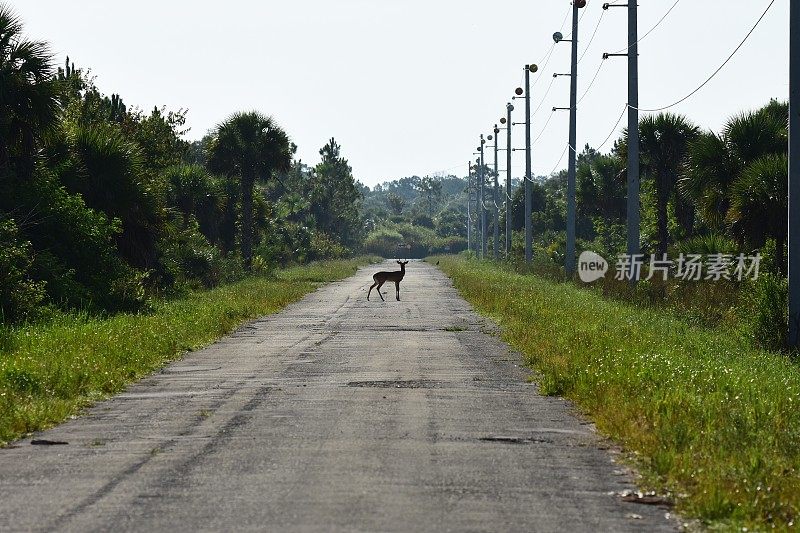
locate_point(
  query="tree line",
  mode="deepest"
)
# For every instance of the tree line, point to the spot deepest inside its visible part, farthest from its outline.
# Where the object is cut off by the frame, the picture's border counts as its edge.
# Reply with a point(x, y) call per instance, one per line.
point(701, 191)
point(104, 206)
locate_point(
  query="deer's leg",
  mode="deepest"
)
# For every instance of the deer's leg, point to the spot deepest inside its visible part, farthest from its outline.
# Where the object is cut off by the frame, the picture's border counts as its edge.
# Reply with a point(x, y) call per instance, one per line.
point(397, 289)
point(380, 284)
point(370, 289)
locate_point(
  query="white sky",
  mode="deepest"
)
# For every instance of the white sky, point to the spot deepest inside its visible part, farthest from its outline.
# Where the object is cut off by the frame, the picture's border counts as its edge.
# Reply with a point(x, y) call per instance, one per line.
point(407, 87)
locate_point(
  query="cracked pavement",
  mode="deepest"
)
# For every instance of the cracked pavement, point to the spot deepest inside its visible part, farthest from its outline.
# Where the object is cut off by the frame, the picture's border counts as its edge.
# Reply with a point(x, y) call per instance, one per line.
point(337, 414)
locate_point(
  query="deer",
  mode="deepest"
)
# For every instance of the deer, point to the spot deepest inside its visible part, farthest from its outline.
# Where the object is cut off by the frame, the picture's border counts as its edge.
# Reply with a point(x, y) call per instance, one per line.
point(382, 277)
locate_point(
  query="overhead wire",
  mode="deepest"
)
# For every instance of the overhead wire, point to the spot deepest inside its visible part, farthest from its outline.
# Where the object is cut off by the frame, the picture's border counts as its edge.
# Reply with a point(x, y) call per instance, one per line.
point(698, 88)
point(580, 19)
point(588, 88)
point(541, 102)
point(544, 129)
point(600, 67)
point(543, 67)
point(560, 159)
point(591, 83)
point(614, 129)
point(648, 32)
point(549, 54)
point(591, 39)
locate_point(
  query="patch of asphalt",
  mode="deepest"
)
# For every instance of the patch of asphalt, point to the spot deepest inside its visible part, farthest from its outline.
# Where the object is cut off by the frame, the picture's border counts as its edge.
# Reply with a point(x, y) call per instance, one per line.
point(337, 414)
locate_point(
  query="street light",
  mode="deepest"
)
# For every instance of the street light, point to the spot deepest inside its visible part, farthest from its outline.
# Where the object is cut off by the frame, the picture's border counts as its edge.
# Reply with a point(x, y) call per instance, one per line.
point(507, 120)
point(528, 189)
point(496, 210)
point(569, 260)
point(482, 179)
point(469, 207)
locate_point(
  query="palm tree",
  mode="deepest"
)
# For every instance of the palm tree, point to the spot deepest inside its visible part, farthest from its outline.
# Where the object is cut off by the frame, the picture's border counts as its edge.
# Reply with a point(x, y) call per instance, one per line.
point(188, 186)
point(601, 191)
point(664, 141)
point(708, 172)
point(250, 146)
point(601, 188)
point(714, 161)
point(759, 202)
point(29, 95)
point(105, 167)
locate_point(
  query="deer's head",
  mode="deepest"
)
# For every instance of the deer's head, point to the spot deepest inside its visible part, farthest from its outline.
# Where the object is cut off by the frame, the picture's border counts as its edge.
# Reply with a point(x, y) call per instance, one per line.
point(402, 264)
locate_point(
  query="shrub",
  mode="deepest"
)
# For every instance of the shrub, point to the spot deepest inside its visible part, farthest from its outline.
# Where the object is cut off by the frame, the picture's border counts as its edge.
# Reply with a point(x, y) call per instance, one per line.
point(766, 313)
point(75, 251)
point(19, 294)
point(384, 242)
point(323, 246)
point(417, 240)
point(707, 244)
point(189, 260)
point(448, 245)
point(423, 220)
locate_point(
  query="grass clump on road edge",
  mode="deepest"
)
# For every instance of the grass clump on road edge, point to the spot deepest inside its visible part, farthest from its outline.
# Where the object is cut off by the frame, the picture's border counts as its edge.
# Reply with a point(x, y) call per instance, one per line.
point(49, 371)
point(712, 421)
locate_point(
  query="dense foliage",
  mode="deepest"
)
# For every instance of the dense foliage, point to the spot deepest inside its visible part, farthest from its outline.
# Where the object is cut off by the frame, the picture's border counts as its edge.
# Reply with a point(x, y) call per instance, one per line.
point(417, 216)
point(104, 206)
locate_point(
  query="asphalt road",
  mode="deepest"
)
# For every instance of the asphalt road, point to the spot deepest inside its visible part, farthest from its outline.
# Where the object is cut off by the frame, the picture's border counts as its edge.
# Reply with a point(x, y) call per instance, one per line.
point(336, 414)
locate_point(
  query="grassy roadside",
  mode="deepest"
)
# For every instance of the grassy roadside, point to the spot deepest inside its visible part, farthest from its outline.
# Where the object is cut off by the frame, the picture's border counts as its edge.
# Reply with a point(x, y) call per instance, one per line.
point(713, 422)
point(49, 371)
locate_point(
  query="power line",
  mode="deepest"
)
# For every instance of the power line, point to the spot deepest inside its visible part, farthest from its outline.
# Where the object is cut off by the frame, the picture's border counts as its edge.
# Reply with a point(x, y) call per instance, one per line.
point(546, 57)
point(588, 87)
point(541, 102)
point(566, 17)
point(549, 54)
point(648, 32)
point(614, 129)
point(560, 159)
point(542, 68)
point(594, 33)
point(580, 19)
point(544, 128)
point(695, 91)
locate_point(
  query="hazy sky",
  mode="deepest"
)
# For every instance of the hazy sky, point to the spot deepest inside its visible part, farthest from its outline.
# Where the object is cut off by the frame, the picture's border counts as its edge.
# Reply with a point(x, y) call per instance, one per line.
point(407, 87)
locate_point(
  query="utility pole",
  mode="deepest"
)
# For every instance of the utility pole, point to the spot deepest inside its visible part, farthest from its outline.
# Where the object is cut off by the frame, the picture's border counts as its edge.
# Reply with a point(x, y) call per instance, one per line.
point(496, 187)
point(469, 208)
point(633, 133)
point(509, 109)
point(794, 173)
point(528, 178)
point(633, 129)
point(569, 265)
point(482, 178)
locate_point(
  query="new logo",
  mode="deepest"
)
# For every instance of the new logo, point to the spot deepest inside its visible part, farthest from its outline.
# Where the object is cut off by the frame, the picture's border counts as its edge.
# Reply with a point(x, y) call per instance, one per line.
point(591, 267)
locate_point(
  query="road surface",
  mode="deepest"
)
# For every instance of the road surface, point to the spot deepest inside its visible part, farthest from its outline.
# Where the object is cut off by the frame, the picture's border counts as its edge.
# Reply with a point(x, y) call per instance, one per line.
point(335, 414)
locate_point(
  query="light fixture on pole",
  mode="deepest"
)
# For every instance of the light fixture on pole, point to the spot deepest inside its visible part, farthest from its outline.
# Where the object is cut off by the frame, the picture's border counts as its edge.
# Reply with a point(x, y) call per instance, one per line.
point(476, 210)
point(507, 121)
point(496, 208)
point(469, 201)
point(482, 206)
point(528, 178)
point(569, 258)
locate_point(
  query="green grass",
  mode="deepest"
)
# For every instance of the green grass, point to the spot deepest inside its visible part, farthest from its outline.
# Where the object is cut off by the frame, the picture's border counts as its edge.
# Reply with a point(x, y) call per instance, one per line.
point(50, 371)
point(711, 421)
